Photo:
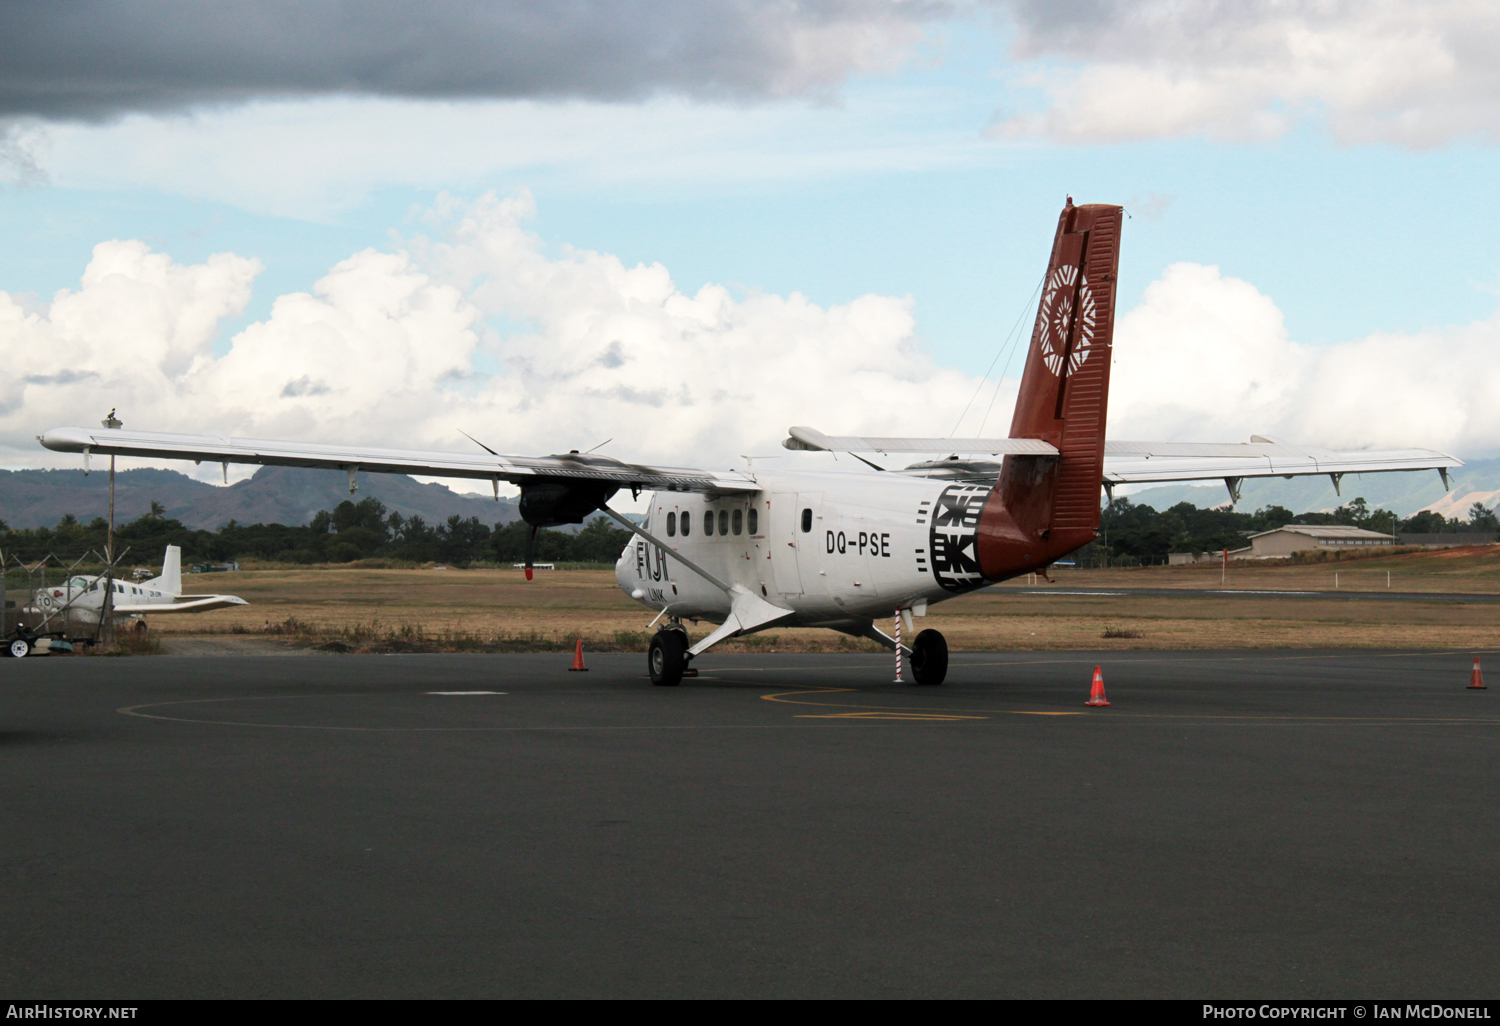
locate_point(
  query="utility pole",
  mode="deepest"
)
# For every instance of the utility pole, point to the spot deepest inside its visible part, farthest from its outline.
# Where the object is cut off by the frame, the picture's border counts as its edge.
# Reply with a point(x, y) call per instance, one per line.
point(107, 611)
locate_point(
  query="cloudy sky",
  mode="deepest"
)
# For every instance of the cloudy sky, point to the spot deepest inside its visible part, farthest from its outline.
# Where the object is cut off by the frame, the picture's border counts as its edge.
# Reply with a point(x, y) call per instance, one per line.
point(687, 225)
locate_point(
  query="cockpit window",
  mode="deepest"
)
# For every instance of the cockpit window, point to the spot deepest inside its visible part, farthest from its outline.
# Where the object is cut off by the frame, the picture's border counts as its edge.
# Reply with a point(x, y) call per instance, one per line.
point(671, 525)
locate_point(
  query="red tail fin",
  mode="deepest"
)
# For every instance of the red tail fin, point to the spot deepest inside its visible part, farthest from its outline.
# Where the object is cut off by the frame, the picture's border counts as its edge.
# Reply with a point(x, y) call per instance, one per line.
point(1045, 507)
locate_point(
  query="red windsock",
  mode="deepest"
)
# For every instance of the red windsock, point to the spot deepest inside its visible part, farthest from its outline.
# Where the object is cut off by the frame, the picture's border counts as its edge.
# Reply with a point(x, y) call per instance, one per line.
point(1096, 695)
point(1476, 679)
point(578, 659)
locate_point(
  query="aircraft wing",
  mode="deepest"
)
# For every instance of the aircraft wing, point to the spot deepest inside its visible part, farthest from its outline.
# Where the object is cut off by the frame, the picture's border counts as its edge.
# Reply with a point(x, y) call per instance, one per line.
point(195, 604)
point(1143, 462)
point(1139, 462)
point(488, 466)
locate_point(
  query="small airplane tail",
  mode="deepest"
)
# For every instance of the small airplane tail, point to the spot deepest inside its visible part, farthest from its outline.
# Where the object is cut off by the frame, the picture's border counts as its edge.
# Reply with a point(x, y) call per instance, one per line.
point(170, 580)
point(1047, 506)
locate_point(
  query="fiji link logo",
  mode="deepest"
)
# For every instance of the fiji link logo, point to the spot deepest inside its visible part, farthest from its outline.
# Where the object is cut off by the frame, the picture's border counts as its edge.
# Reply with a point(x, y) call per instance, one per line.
point(954, 537)
point(1057, 314)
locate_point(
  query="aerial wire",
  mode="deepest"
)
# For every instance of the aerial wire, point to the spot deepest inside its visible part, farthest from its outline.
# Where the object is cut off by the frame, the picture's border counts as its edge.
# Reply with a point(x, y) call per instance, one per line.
point(1006, 369)
point(1010, 336)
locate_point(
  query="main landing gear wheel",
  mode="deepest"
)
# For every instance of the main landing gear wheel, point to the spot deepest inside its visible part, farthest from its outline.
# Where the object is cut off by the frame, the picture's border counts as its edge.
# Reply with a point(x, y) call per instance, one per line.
point(20, 648)
point(668, 658)
point(929, 657)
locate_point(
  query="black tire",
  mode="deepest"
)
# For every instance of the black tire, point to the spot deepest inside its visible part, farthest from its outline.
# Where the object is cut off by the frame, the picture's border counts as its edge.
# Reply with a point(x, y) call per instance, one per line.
point(139, 627)
point(667, 658)
point(929, 657)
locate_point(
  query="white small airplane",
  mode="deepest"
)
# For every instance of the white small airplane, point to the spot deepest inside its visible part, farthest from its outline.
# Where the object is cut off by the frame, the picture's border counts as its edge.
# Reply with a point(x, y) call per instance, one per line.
point(83, 596)
point(821, 548)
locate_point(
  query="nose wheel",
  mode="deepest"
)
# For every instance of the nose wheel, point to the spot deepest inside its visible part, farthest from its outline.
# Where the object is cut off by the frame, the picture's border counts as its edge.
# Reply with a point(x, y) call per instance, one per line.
point(667, 659)
point(929, 657)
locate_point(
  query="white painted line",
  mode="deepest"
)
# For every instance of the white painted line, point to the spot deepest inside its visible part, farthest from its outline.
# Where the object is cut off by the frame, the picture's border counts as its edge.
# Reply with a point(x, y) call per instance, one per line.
point(466, 692)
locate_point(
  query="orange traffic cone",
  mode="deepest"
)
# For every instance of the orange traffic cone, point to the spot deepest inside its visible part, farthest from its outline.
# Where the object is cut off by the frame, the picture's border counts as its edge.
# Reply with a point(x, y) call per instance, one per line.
point(1476, 679)
point(578, 659)
point(1096, 696)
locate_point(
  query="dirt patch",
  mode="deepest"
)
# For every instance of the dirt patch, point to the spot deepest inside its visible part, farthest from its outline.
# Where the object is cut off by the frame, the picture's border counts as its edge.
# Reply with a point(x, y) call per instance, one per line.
point(229, 644)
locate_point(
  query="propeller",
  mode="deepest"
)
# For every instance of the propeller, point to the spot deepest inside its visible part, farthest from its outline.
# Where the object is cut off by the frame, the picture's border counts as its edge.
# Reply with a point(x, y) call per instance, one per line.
point(530, 550)
point(477, 442)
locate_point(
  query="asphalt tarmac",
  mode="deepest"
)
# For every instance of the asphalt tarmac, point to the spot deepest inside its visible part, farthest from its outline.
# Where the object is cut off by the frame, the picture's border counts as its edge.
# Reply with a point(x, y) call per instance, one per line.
point(1239, 824)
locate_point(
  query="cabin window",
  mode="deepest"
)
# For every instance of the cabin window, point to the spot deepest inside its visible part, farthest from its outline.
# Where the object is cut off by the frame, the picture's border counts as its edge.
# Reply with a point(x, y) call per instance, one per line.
point(737, 519)
point(806, 520)
point(687, 523)
point(708, 522)
point(723, 521)
point(671, 525)
point(754, 520)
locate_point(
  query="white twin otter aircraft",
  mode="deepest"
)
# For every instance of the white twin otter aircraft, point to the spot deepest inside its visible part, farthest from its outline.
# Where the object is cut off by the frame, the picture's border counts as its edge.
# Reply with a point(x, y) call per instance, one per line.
point(843, 550)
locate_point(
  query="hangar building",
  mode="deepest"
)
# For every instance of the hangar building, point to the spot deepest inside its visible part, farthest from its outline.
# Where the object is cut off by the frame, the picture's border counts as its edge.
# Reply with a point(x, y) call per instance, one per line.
point(1283, 541)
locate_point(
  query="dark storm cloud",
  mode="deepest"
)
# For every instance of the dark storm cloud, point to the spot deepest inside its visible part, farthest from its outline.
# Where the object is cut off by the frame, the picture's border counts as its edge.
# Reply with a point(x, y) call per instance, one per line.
point(98, 59)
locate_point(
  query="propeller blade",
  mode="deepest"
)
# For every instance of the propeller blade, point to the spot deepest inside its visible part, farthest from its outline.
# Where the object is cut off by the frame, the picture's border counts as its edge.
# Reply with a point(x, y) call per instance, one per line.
point(477, 442)
point(530, 549)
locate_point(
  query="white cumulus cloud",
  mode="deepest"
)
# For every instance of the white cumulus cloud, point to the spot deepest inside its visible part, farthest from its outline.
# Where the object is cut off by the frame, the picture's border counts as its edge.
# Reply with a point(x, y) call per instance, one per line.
point(392, 349)
point(1208, 358)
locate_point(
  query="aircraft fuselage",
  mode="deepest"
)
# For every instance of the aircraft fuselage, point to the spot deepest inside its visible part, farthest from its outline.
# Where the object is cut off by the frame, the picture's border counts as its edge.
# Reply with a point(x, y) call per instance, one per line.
point(832, 547)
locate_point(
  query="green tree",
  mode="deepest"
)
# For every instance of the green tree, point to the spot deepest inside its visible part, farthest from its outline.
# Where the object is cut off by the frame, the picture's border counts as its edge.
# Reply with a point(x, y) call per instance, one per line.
point(1483, 518)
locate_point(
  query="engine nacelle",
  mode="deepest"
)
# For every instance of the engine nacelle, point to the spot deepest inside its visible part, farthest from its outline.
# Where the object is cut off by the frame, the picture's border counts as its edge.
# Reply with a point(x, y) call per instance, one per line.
point(547, 503)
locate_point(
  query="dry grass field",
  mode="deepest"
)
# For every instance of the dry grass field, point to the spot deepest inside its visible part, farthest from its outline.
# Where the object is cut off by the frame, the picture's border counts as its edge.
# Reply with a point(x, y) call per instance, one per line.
point(497, 610)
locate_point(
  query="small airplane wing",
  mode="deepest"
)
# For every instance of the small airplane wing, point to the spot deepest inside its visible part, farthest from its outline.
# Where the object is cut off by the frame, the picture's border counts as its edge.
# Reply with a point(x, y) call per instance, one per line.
point(487, 466)
point(192, 604)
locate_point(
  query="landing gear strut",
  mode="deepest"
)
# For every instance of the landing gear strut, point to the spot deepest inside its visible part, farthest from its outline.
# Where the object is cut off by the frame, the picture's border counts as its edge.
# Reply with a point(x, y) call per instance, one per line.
point(929, 657)
point(668, 657)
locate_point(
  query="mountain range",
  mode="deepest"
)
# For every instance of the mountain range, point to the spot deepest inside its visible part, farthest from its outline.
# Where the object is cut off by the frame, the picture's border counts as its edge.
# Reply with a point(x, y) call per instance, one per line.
point(274, 495)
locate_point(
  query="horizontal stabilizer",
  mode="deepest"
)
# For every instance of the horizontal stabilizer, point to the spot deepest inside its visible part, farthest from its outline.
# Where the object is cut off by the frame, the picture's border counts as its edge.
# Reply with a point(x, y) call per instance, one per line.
point(808, 439)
